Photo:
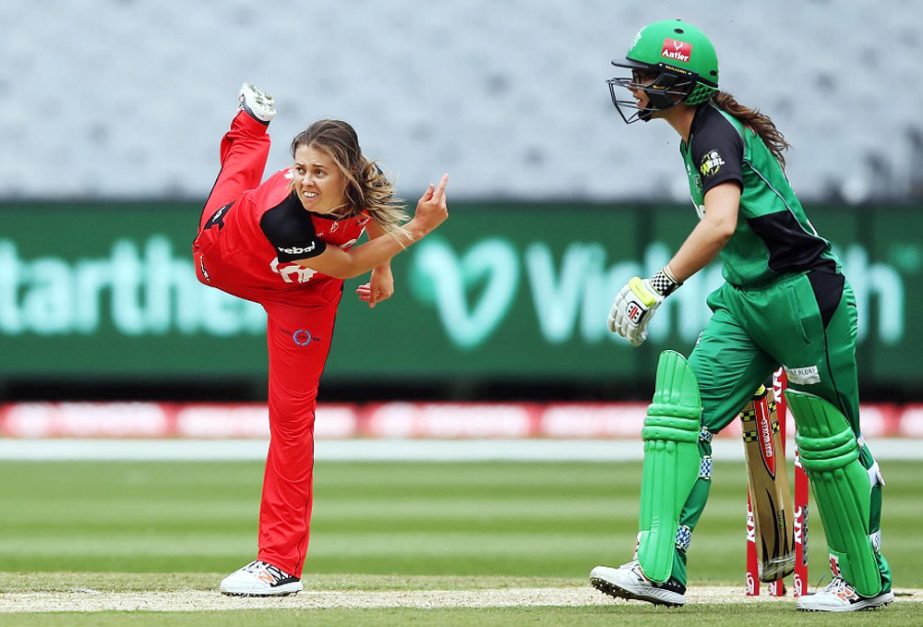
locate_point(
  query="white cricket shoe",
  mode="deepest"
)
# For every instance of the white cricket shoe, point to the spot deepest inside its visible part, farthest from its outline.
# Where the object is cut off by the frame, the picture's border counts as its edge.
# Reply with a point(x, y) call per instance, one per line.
point(259, 579)
point(257, 103)
point(839, 596)
point(628, 582)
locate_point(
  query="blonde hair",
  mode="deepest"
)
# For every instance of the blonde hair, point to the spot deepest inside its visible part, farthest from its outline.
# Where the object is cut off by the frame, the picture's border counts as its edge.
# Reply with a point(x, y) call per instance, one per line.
point(761, 124)
point(367, 187)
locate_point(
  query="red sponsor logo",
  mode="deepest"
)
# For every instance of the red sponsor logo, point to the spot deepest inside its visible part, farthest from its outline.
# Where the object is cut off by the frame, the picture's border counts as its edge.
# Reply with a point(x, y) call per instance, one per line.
point(768, 448)
point(677, 50)
point(634, 312)
point(751, 523)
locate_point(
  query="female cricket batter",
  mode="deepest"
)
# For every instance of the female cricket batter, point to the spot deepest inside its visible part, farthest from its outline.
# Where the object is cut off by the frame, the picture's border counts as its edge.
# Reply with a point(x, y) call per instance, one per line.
point(785, 301)
point(287, 244)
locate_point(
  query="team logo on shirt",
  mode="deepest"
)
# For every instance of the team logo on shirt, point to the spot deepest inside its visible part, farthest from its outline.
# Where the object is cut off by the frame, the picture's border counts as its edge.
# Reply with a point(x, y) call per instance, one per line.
point(292, 272)
point(711, 163)
point(677, 50)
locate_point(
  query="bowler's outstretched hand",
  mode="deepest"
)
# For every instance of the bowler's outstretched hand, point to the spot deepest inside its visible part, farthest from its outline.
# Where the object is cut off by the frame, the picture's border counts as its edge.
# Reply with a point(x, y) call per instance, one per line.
point(431, 208)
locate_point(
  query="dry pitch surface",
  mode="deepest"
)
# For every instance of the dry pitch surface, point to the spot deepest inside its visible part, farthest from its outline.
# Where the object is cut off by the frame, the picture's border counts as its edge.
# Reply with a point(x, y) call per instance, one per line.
point(88, 600)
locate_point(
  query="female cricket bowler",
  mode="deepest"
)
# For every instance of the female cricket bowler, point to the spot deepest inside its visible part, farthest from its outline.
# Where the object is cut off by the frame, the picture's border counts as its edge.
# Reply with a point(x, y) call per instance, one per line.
point(288, 244)
point(785, 302)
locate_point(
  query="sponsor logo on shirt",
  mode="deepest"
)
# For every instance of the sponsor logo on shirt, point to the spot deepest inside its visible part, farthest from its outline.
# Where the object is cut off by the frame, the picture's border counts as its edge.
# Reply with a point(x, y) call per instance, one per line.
point(677, 50)
point(711, 163)
point(803, 376)
point(303, 337)
point(298, 250)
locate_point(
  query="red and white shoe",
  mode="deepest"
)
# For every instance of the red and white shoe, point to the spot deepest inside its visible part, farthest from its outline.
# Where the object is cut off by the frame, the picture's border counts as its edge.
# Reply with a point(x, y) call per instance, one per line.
point(257, 103)
point(839, 596)
point(260, 579)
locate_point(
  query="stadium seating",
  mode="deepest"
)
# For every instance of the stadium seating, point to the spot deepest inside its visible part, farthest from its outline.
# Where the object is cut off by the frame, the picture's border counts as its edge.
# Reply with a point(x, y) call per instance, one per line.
point(122, 98)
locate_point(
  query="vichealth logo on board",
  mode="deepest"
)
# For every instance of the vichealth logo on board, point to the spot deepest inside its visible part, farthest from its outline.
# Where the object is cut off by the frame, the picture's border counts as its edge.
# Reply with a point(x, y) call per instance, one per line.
point(473, 291)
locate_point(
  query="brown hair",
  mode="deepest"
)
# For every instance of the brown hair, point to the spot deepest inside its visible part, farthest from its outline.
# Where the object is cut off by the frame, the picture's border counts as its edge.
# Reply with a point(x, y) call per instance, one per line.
point(367, 187)
point(759, 122)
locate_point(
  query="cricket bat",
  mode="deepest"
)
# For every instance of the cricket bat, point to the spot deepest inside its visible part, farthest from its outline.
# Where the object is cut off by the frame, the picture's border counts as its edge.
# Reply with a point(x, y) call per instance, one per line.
point(770, 494)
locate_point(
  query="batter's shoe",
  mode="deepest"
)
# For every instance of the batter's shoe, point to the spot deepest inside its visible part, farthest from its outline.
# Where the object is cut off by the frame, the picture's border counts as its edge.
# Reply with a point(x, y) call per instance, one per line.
point(839, 596)
point(260, 579)
point(628, 582)
point(257, 103)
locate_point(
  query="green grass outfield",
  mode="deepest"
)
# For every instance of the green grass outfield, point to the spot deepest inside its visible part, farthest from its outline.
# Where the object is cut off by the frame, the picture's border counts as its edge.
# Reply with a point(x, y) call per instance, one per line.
point(176, 526)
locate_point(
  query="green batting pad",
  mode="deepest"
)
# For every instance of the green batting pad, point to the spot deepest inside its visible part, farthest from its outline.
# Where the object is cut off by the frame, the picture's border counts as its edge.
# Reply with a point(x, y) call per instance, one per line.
point(671, 462)
point(830, 455)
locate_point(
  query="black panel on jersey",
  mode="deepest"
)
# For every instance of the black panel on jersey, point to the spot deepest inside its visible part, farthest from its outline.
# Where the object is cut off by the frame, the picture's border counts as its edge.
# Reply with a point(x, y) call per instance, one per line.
point(791, 248)
point(828, 290)
point(289, 228)
point(717, 148)
point(217, 218)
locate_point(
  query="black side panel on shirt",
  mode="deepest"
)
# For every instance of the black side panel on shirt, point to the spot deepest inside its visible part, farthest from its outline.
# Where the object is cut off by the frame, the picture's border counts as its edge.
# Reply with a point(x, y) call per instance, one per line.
point(717, 148)
point(828, 291)
point(791, 249)
point(217, 218)
point(289, 229)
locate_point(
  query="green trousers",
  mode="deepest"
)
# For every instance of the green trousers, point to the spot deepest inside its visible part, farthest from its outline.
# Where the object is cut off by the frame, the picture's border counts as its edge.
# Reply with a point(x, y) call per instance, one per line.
point(806, 322)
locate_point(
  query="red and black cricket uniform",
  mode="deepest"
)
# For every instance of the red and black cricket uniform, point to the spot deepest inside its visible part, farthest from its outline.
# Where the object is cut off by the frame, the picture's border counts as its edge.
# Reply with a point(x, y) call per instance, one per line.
point(249, 235)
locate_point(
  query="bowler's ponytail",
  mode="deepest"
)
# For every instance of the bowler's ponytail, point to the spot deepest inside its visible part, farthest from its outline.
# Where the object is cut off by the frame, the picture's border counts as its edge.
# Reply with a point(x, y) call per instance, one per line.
point(375, 194)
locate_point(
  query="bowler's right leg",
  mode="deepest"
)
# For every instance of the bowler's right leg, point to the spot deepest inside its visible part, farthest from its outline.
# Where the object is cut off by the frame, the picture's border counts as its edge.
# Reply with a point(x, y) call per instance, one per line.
point(244, 151)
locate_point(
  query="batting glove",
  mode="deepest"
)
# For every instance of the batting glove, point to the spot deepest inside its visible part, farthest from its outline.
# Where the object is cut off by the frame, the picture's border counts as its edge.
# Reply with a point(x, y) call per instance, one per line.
point(636, 303)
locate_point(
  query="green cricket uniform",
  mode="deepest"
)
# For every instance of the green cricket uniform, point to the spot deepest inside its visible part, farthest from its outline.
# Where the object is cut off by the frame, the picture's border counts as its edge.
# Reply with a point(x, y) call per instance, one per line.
point(785, 300)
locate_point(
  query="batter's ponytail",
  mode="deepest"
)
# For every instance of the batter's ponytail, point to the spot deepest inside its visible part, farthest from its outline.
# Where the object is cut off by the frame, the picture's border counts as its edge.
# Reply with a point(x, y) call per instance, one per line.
point(761, 124)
